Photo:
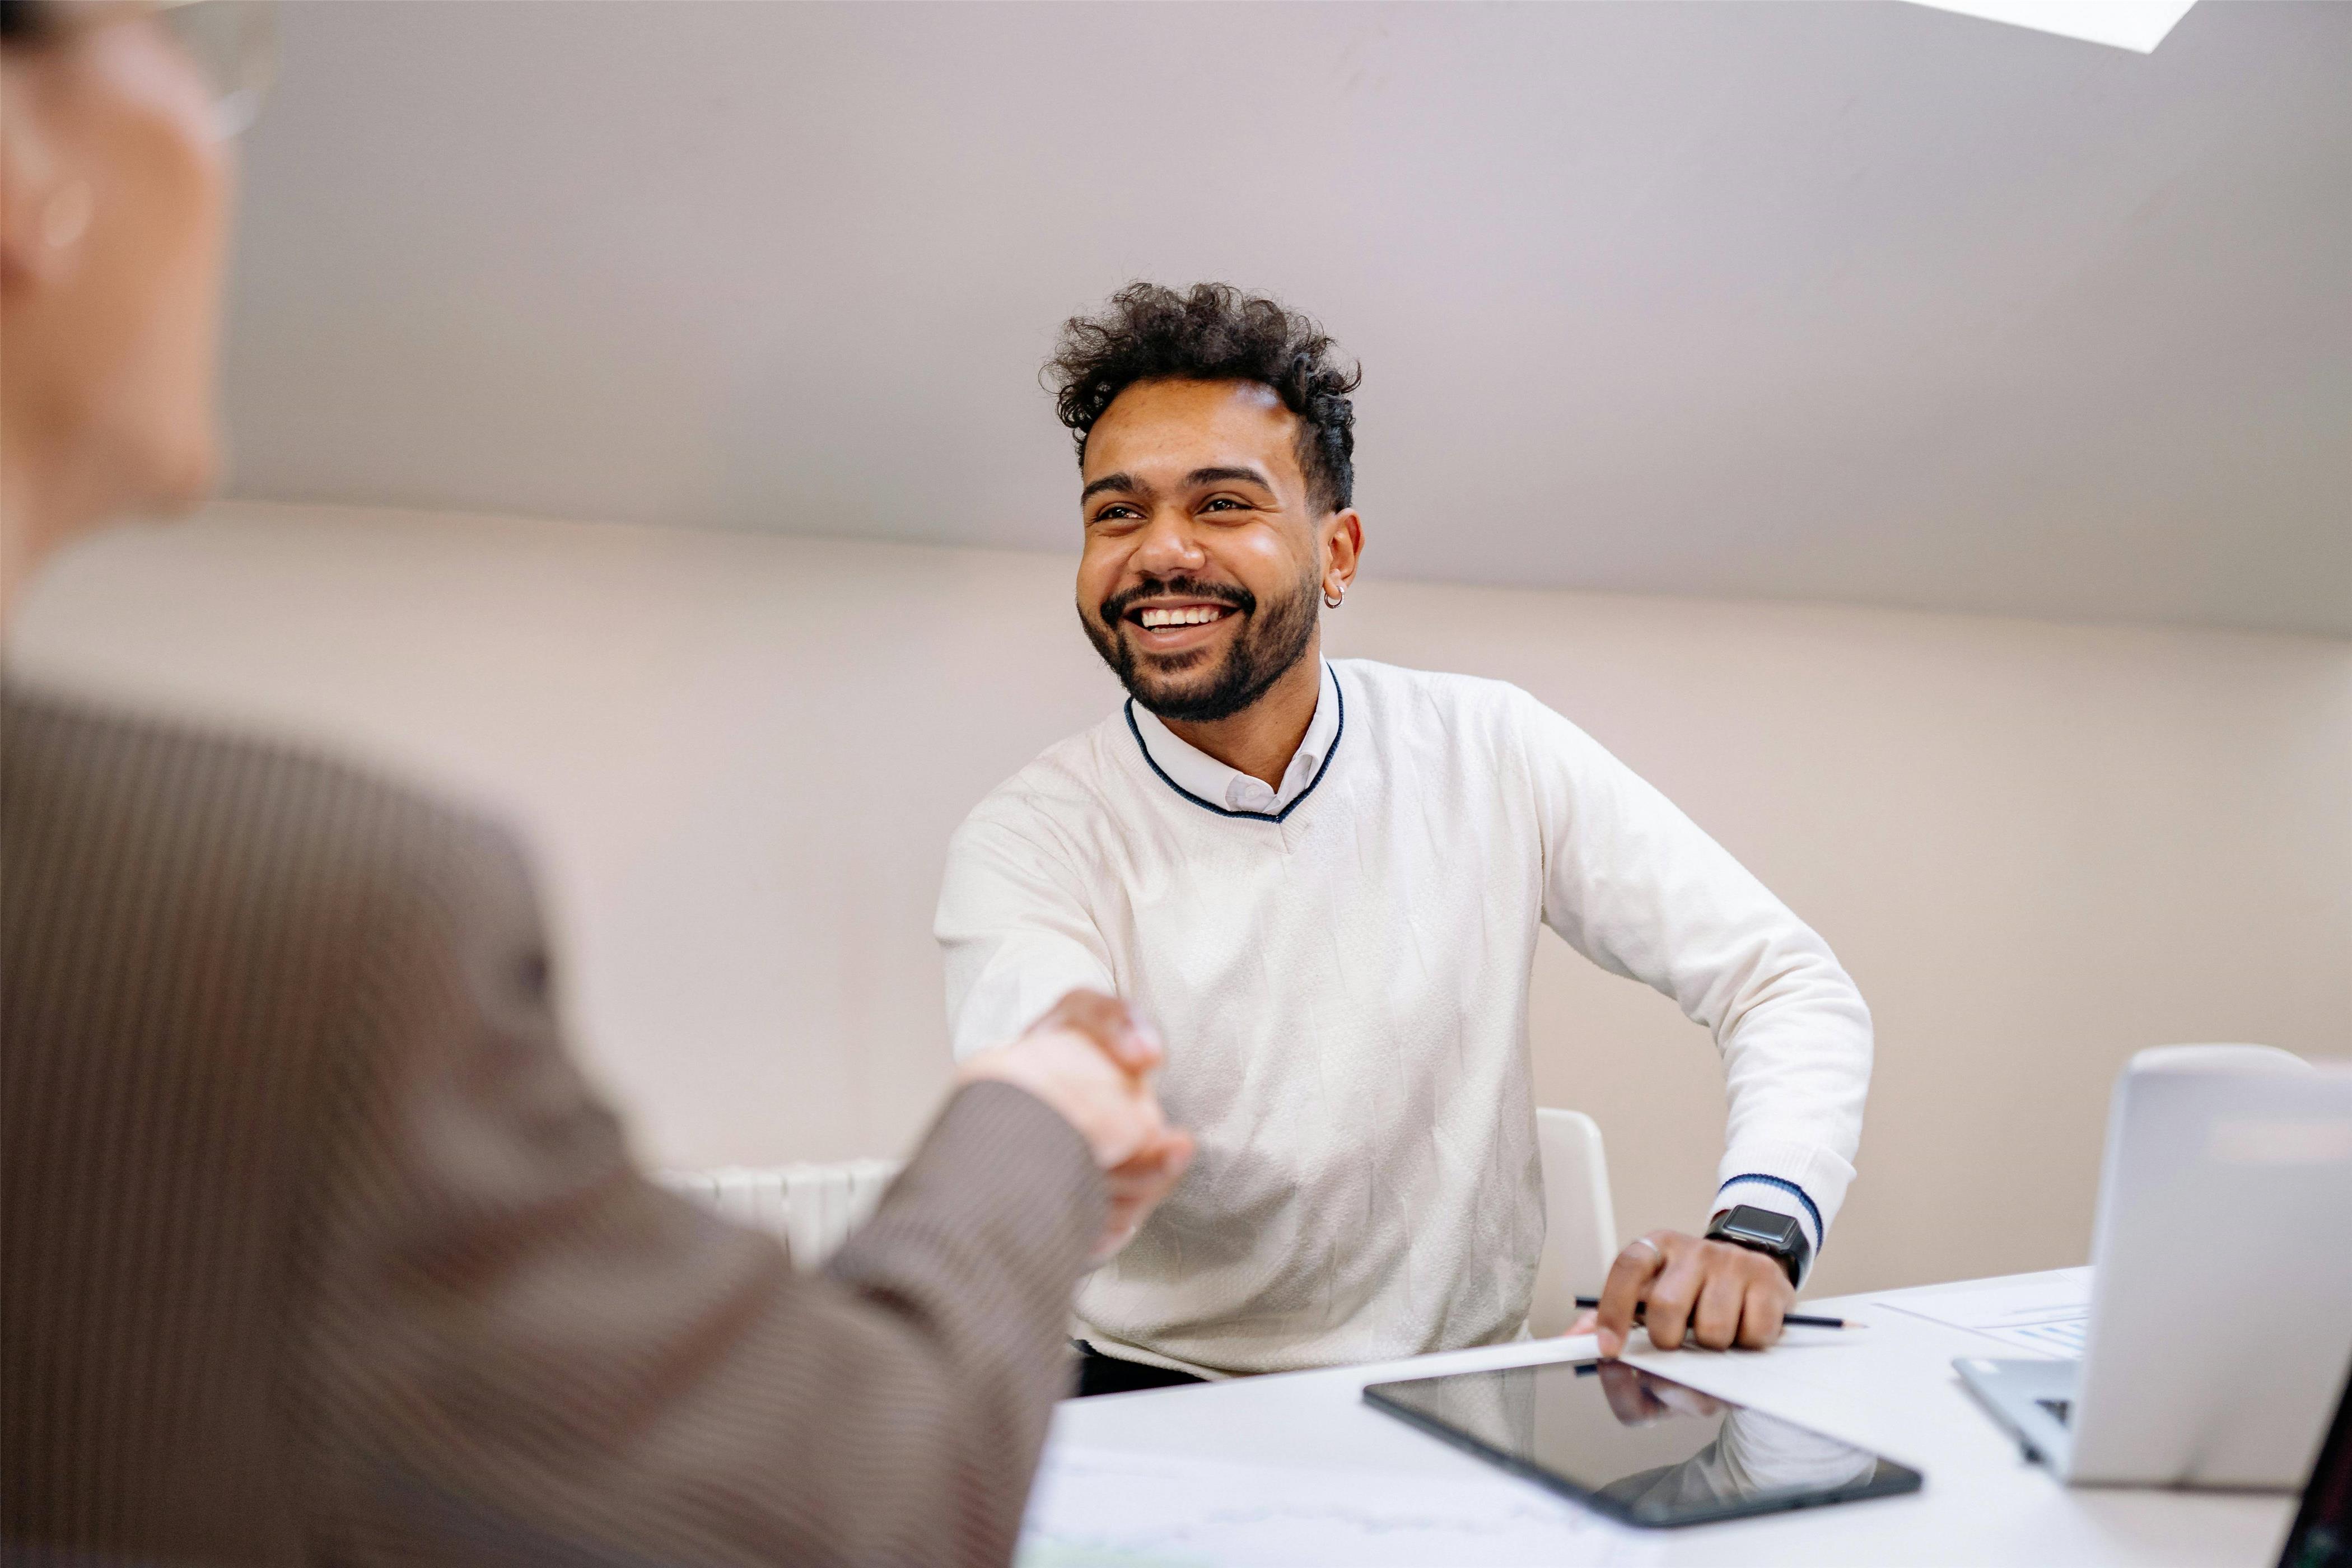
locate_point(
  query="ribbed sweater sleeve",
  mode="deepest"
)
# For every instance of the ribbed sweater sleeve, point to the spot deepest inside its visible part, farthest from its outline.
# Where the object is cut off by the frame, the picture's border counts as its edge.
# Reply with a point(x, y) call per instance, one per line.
point(1636, 887)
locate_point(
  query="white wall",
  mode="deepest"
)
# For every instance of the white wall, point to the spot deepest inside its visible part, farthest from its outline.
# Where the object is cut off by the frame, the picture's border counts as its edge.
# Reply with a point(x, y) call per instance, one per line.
point(2037, 846)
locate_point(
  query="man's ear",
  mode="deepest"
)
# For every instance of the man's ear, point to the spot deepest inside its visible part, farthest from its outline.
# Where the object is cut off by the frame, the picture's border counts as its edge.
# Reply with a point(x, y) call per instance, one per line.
point(1343, 547)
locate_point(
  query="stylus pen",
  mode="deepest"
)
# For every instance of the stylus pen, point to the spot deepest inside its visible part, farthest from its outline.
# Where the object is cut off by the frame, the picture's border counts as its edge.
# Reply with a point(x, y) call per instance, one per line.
point(1793, 1320)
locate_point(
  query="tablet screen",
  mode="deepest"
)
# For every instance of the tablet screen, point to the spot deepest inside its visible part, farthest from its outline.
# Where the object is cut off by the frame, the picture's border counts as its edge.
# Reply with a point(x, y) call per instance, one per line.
point(1641, 1448)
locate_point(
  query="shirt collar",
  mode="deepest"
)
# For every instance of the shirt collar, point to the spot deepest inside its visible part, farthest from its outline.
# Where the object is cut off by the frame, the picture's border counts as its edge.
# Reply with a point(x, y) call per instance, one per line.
point(1197, 773)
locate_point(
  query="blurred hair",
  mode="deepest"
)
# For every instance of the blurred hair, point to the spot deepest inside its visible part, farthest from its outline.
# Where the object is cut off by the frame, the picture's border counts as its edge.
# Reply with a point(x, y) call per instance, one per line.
point(1215, 332)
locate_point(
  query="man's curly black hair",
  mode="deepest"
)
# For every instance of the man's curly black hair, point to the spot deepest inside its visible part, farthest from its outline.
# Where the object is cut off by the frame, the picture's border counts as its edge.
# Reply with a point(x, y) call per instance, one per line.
point(1215, 332)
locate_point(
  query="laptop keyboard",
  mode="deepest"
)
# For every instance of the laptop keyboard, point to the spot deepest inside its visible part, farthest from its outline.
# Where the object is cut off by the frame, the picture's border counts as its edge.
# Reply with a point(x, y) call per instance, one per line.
point(2061, 1409)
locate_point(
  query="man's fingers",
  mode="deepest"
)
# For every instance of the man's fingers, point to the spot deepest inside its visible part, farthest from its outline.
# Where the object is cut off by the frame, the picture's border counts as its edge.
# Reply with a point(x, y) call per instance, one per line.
point(1760, 1318)
point(1137, 1186)
point(1673, 1295)
point(1127, 1127)
point(1148, 1176)
point(1108, 1021)
point(1142, 1121)
point(1709, 1293)
point(1181, 1155)
point(1628, 1278)
point(1157, 1167)
point(1584, 1325)
point(1714, 1322)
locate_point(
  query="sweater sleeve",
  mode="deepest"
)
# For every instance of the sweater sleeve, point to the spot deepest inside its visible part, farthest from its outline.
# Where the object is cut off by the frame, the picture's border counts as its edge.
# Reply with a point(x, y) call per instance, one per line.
point(1634, 885)
point(522, 1350)
point(1016, 934)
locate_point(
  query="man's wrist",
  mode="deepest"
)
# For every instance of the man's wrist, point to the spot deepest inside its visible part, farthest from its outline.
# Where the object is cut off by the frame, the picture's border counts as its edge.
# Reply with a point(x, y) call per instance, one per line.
point(1779, 1237)
point(1776, 1193)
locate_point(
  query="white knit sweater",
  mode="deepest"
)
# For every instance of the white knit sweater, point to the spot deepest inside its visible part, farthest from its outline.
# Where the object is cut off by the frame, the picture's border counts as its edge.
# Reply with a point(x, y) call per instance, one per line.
point(1343, 987)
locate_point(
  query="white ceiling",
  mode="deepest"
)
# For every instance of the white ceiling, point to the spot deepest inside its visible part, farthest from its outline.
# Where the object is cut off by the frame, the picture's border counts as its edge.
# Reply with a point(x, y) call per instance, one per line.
point(1867, 302)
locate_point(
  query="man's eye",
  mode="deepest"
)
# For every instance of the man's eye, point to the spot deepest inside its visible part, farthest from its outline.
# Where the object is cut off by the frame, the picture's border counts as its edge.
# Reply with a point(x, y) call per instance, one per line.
point(1225, 503)
point(1116, 514)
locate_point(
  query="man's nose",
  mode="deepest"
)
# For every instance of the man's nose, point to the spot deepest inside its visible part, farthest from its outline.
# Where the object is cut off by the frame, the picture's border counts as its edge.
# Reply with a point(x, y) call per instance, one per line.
point(1169, 545)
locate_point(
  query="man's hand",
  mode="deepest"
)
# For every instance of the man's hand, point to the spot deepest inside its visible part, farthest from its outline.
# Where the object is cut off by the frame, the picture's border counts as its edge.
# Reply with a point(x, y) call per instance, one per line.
point(1710, 1292)
point(1137, 1187)
point(1090, 1059)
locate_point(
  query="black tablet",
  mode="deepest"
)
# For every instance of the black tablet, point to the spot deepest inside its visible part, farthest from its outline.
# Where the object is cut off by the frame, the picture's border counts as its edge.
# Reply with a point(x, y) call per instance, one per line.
point(1637, 1446)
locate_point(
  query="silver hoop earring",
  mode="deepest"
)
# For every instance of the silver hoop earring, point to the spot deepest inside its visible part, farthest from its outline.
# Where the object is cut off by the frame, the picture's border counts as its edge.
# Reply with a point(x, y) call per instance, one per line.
point(1332, 601)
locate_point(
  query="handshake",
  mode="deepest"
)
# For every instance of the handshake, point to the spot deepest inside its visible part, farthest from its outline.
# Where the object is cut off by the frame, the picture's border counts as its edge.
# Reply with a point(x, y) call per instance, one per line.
point(1090, 1059)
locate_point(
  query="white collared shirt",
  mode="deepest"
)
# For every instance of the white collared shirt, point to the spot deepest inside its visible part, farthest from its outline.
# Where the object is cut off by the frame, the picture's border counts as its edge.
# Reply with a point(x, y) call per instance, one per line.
point(1201, 776)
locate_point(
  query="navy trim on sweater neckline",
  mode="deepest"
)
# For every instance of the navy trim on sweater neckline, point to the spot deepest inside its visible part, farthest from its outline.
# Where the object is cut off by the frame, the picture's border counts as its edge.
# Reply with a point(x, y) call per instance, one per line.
point(1338, 733)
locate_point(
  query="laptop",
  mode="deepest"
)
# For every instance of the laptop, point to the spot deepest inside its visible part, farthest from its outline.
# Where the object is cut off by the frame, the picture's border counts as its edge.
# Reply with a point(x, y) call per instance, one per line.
point(2220, 1321)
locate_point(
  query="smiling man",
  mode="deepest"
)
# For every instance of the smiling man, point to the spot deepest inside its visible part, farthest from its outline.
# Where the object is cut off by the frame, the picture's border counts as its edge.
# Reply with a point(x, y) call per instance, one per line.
point(1324, 878)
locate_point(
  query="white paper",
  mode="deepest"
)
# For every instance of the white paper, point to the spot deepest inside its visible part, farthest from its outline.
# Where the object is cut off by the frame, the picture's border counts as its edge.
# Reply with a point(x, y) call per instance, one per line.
point(1098, 1508)
point(2047, 1314)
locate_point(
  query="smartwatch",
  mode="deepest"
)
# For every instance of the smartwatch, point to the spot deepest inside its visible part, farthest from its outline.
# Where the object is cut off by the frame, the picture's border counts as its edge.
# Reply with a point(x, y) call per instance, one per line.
point(1777, 1236)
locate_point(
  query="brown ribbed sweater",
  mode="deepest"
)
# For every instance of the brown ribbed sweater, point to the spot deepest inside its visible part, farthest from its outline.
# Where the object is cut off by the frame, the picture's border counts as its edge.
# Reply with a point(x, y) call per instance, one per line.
point(315, 1245)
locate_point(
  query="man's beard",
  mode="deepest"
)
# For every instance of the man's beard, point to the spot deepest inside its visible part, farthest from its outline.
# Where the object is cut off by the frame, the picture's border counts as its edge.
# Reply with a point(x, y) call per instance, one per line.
point(1261, 652)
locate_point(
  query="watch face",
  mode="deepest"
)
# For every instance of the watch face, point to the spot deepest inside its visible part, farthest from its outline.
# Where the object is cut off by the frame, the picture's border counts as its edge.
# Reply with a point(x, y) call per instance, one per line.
point(1778, 1231)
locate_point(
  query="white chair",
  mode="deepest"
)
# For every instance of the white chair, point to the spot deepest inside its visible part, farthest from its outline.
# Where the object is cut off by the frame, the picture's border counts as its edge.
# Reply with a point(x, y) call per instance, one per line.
point(1579, 1223)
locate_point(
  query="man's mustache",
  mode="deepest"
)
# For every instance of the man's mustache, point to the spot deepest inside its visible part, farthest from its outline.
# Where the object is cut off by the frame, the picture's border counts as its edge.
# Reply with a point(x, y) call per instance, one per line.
point(1115, 608)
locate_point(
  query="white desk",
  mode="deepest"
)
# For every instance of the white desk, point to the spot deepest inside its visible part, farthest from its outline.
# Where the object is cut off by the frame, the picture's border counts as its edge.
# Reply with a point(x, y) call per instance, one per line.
point(1890, 1388)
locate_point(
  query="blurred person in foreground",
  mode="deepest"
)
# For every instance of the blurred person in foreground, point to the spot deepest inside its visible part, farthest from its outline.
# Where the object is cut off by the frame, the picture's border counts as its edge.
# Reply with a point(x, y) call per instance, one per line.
point(316, 1244)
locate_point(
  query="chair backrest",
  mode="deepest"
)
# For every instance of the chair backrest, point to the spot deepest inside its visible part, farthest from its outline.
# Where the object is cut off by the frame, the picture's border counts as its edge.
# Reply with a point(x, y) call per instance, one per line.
point(1579, 1223)
point(814, 1207)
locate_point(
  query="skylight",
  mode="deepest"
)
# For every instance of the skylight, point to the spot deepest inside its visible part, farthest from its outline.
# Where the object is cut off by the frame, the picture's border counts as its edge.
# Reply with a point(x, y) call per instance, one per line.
point(2138, 25)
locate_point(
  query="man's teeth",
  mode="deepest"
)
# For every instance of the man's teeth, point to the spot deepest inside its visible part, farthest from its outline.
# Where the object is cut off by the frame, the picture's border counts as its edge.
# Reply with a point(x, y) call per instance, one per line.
point(1187, 615)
